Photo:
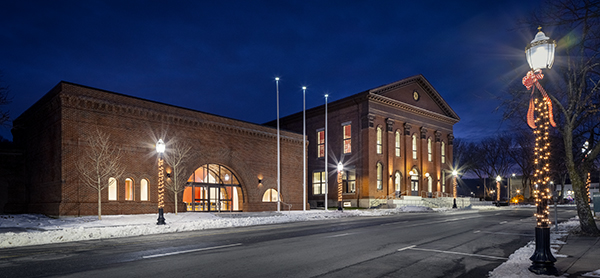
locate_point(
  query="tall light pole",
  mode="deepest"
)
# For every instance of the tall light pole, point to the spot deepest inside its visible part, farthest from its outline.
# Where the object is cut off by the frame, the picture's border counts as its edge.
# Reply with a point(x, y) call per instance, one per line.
point(498, 179)
point(454, 176)
point(278, 151)
point(304, 148)
point(160, 149)
point(340, 170)
point(510, 187)
point(326, 170)
point(540, 55)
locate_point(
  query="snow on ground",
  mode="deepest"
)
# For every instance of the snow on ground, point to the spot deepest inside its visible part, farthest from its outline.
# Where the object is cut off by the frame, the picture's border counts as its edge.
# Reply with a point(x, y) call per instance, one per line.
point(35, 229)
point(518, 263)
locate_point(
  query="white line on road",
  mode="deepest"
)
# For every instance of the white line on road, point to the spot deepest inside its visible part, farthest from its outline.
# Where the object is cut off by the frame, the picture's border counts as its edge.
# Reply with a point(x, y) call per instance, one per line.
point(189, 251)
point(407, 247)
point(503, 222)
point(339, 235)
point(451, 252)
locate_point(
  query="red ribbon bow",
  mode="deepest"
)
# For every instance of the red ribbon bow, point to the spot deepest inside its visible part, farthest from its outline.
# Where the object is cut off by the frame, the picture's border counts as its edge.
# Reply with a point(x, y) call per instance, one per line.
point(532, 78)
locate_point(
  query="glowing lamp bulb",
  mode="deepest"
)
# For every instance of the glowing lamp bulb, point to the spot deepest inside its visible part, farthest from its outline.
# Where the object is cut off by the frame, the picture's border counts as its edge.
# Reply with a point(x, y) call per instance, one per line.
point(340, 167)
point(160, 146)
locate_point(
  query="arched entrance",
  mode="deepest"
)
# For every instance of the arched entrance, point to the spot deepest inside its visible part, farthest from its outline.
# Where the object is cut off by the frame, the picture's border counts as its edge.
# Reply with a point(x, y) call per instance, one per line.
point(213, 187)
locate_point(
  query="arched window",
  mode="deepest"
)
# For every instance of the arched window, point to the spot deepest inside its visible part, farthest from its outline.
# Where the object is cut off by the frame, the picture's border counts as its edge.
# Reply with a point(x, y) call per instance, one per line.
point(429, 184)
point(270, 195)
point(379, 140)
point(128, 189)
point(144, 190)
point(379, 176)
point(414, 146)
point(397, 183)
point(429, 150)
point(443, 151)
point(112, 189)
point(397, 143)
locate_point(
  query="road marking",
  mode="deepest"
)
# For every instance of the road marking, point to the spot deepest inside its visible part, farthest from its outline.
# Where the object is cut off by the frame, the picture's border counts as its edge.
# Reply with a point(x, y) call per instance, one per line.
point(407, 247)
point(339, 235)
point(476, 231)
point(503, 233)
point(503, 222)
point(190, 251)
point(451, 252)
point(393, 223)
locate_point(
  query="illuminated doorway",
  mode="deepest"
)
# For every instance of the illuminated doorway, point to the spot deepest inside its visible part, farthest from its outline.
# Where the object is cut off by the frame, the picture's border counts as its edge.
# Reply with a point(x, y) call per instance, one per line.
point(213, 187)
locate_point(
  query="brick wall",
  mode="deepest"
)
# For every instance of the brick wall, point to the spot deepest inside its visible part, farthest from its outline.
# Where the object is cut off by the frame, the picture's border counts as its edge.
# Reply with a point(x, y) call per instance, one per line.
point(53, 134)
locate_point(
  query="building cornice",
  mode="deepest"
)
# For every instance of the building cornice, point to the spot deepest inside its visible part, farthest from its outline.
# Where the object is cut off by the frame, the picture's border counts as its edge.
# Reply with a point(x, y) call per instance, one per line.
point(373, 97)
point(169, 114)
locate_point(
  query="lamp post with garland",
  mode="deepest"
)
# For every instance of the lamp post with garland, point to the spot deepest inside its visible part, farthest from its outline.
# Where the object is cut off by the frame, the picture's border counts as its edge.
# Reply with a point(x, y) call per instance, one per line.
point(540, 55)
point(160, 149)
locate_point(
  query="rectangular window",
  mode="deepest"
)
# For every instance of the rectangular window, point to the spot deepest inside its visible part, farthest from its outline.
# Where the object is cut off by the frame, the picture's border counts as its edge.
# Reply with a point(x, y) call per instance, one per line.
point(349, 180)
point(321, 143)
point(347, 138)
point(379, 140)
point(429, 150)
point(397, 144)
point(443, 152)
point(318, 183)
point(414, 146)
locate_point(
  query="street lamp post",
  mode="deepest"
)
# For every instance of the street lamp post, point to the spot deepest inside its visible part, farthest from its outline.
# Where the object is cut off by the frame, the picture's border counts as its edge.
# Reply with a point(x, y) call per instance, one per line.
point(340, 170)
point(454, 175)
point(160, 149)
point(540, 55)
point(498, 179)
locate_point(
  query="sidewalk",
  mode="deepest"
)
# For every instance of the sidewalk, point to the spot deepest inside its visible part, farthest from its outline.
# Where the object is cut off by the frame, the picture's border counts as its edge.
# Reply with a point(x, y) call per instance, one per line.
point(583, 256)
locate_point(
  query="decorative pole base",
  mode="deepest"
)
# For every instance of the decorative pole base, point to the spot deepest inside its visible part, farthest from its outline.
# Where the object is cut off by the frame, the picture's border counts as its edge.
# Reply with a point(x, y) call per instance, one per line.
point(454, 205)
point(542, 259)
point(161, 217)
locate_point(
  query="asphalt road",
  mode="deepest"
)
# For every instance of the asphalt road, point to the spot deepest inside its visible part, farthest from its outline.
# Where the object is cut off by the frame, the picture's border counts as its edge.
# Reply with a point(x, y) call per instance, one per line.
point(464, 244)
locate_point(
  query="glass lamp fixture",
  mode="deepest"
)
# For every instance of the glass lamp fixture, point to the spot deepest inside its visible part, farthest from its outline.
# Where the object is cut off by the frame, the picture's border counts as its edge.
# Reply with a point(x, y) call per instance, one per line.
point(540, 52)
point(160, 146)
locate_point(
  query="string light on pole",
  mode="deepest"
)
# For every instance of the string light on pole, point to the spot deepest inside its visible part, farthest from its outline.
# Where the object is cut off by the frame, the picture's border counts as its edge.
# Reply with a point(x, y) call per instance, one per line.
point(540, 55)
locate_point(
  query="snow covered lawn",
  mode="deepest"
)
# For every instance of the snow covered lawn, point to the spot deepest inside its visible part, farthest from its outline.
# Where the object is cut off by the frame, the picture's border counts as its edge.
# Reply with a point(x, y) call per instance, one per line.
point(35, 229)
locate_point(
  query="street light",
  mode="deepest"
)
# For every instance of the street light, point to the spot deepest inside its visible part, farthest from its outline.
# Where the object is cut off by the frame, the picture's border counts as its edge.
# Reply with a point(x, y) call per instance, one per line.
point(160, 149)
point(340, 170)
point(454, 175)
point(540, 55)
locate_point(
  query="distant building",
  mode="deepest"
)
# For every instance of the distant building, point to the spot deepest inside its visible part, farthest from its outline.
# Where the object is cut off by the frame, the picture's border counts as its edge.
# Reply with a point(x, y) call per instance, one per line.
point(234, 169)
point(394, 140)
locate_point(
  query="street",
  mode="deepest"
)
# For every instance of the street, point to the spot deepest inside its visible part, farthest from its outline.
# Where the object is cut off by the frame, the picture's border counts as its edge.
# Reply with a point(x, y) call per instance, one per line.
point(454, 244)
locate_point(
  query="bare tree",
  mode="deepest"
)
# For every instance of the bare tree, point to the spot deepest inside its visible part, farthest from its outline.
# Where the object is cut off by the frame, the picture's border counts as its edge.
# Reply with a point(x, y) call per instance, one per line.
point(522, 155)
point(100, 161)
point(574, 90)
point(178, 157)
point(4, 100)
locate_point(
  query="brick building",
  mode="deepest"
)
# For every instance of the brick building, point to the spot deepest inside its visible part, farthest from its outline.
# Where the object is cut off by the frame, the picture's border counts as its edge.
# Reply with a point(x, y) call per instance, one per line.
point(394, 140)
point(234, 161)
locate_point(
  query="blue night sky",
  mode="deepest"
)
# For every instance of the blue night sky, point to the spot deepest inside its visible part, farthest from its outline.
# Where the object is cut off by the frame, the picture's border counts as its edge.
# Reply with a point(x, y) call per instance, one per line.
point(221, 57)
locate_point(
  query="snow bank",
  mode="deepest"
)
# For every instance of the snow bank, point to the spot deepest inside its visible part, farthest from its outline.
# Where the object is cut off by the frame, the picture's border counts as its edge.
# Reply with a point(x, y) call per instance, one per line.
point(35, 229)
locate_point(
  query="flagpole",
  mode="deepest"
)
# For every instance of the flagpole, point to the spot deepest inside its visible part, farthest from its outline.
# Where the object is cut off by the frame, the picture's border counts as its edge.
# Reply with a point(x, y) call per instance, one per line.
point(326, 171)
point(278, 151)
point(304, 148)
